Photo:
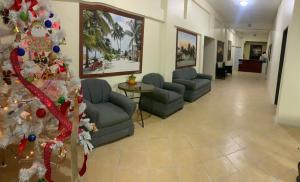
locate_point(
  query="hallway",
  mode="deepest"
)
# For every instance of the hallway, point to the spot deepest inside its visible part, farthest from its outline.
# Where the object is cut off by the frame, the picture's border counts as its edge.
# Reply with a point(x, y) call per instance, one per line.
point(228, 135)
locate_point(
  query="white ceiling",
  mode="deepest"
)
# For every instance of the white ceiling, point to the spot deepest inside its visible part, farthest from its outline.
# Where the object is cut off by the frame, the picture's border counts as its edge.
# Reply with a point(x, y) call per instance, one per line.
point(259, 13)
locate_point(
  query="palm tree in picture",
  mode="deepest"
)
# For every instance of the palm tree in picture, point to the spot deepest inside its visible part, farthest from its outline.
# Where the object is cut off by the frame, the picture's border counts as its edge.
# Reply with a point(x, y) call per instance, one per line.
point(118, 35)
point(96, 25)
point(135, 33)
point(115, 33)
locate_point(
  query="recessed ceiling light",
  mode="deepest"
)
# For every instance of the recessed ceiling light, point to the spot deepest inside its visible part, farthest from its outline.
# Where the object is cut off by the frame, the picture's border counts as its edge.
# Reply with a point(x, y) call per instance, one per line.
point(244, 2)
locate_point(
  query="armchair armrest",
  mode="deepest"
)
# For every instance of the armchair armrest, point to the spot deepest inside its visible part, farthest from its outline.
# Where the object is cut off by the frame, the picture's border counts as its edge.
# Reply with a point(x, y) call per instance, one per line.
point(189, 84)
point(91, 110)
point(124, 102)
point(204, 76)
point(159, 95)
point(174, 87)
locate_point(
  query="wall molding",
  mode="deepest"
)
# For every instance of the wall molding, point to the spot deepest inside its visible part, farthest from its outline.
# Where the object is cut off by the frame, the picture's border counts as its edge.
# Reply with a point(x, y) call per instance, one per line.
point(117, 8)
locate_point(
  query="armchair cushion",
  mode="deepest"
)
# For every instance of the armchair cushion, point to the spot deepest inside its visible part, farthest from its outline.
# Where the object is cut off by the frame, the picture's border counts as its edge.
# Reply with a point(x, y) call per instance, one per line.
point(107, 114)
point(189, 84)
point(204, 76)
point(163, 96)
point(201, 83)
point(194, 84)
point(174, 87)
point(124, 102)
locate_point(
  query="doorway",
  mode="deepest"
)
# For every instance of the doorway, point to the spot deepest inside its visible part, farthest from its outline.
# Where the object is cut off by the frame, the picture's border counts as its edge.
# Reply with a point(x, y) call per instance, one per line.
point(209, 57)
point(282, 56)
point(238, 54)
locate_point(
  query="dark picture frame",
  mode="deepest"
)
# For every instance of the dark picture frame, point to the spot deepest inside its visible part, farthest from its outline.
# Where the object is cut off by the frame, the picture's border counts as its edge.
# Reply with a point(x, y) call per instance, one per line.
point(117, 49)
point(186, 48)
point(255, 51)
point(229, 50)
point(220, 51)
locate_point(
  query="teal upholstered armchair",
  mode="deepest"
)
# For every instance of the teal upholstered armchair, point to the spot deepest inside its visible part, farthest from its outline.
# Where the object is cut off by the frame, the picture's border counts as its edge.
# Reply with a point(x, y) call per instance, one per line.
point(110, 111)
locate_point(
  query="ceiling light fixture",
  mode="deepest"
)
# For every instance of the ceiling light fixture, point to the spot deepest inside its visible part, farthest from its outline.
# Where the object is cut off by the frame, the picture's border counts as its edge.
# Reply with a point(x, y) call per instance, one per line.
point(244, 2)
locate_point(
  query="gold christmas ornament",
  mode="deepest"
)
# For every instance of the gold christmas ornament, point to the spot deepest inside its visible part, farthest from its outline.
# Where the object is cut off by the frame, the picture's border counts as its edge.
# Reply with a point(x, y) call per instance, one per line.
point(25, 115)
point(16, 29)
point(63, 42)
point(62, 153)
point(94, 127)
point(52, 57)
point(18, 37)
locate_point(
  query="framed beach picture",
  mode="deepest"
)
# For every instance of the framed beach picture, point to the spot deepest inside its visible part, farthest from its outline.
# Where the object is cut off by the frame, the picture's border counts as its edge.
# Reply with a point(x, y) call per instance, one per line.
point(229, 50)
point(220, 51)
point(186, 48)
point(111, 42)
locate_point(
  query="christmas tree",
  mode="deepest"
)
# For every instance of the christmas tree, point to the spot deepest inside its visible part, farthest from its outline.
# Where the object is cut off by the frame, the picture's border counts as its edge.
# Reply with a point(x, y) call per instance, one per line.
point(39, 95)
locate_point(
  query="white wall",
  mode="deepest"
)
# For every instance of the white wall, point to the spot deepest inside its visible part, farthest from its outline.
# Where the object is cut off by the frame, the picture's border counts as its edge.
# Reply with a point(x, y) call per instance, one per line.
point(283, 20)
point(209, 56)
point(162, 17)
point(289, 99)
point(255, 37)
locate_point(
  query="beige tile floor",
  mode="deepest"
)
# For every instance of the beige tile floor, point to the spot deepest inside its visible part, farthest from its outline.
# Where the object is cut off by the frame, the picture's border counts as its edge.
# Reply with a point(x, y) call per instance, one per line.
point(228, 135)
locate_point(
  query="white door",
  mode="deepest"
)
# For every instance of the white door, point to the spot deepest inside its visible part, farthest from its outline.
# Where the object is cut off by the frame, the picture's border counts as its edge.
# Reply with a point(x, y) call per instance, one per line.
point(238, 54)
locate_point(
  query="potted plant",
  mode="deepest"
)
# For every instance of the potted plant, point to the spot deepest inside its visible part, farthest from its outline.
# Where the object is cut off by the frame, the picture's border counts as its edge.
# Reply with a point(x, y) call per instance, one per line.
point(131, 80)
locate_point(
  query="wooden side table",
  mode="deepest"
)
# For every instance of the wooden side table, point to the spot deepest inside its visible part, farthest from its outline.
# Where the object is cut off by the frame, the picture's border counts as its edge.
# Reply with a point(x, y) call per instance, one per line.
point(140, 88)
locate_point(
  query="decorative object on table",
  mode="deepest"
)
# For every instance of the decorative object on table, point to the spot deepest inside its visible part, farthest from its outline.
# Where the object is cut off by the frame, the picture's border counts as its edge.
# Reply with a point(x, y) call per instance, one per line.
point(220, 51)
point(186, 48)
point(138, 88)
point(196, 84)
point(33, 82)
point(166, 98)
point(131, 80)
point(110, 111)
point(111, 41)
point(229, 50)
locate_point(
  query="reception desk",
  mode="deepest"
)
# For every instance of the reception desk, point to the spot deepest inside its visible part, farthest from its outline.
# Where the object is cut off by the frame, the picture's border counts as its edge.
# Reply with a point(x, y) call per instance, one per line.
point(253, 66)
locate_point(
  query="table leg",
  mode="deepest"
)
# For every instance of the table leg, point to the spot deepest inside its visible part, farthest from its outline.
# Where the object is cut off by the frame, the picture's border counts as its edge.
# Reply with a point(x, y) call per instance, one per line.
point(141, 111)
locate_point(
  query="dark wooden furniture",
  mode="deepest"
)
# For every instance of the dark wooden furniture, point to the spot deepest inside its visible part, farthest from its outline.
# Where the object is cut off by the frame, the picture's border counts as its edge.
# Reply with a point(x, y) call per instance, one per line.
point(140, 88)
point(253, 66)
point(228, 69)
point(221, 72)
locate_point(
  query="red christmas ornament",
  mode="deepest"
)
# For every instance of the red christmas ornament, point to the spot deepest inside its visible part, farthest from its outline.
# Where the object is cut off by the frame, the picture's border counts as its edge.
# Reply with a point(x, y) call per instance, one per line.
point(62, 69)
point(40, 113)
point(22, 145)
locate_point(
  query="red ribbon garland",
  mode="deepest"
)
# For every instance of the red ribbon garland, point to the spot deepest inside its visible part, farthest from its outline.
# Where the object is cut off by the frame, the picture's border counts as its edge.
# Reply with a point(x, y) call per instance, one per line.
point(83, 168)
point(47, 159)
point(18, 5)
point(63, 120)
